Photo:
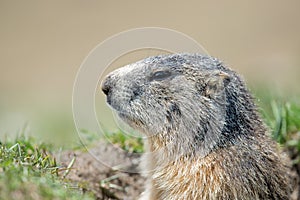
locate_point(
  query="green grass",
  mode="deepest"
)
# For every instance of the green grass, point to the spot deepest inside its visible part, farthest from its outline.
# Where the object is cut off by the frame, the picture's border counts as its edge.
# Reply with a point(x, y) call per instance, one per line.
point(281, 112)
point(128, 143)
point(284, 121)
point(30, 171)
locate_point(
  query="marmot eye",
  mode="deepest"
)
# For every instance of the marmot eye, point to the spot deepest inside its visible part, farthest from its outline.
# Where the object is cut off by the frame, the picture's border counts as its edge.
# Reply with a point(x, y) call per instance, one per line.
point(160, 75)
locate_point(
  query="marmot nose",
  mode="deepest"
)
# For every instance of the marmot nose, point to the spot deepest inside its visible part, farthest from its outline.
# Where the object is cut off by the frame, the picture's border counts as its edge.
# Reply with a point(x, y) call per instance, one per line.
point(105, 87)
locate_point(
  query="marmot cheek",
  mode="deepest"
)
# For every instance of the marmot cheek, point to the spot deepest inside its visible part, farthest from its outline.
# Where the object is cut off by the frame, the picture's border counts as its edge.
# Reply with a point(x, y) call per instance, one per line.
point(136, 93)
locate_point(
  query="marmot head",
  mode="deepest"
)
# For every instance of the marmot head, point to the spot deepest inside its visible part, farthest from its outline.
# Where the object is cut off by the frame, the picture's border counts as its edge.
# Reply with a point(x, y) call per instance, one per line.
point(187, 103)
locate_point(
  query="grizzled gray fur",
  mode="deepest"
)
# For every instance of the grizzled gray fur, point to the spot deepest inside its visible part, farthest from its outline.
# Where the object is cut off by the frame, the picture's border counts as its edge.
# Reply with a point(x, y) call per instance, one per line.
point(205, 137)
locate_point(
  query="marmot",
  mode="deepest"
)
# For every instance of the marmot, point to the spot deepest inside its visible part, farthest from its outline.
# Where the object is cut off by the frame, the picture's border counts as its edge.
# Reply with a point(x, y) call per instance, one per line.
point(206, 138)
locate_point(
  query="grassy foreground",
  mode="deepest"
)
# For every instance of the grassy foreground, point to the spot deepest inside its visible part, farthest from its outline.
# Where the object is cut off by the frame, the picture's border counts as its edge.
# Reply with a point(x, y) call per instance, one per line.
point(28, 170)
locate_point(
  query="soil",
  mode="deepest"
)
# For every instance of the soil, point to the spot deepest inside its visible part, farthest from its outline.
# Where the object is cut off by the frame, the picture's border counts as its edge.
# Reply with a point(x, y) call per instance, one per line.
point(104, 171)
point(98, 171)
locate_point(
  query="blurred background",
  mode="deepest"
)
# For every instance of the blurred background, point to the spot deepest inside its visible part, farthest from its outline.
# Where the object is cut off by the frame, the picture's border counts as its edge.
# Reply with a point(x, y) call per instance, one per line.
point(43, 44)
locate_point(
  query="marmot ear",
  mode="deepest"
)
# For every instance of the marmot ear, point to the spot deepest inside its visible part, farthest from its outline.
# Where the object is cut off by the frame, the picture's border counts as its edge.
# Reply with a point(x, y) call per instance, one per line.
point(216, 82)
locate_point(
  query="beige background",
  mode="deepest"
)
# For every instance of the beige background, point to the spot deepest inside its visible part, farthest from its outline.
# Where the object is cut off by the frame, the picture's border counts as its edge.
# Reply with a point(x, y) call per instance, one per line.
point(44, 42)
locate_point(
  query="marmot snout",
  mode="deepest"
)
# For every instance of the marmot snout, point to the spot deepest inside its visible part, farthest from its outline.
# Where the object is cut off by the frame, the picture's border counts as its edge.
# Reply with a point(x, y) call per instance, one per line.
point(206, 138)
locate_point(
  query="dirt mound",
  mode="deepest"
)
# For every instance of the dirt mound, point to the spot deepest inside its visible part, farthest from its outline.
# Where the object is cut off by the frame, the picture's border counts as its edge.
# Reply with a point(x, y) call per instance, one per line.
point(98, 171)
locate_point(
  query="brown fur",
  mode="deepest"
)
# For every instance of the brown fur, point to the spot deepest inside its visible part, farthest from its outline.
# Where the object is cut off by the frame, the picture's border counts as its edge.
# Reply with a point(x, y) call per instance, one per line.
point(230, 173)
